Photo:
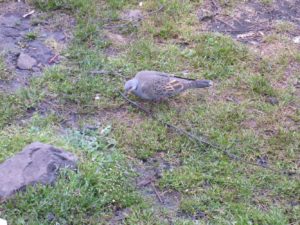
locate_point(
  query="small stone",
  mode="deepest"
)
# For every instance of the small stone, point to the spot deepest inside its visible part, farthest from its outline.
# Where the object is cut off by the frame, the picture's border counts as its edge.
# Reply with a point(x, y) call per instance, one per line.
point(3, 222)
point(97, 97)
point(133, 15)
point(205, 15)
point(36, 163)
point(272, 100)
point(25, 62)
point(296, 40)
point(50, 216)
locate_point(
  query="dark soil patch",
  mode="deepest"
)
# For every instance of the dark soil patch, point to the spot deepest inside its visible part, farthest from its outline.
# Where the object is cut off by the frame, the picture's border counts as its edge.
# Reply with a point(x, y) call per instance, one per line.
point(251, 21)
point(41, 36)
point(149, 173)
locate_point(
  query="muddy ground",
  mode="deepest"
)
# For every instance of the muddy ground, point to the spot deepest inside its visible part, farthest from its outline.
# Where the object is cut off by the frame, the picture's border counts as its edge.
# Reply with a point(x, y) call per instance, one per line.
point(249, 22)
point(41, 36)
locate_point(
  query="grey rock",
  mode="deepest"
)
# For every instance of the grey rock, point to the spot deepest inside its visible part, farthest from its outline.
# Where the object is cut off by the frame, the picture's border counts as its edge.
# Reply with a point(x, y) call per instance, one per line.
point(296, 40)
point(9, 20)
point(40, 51)
point(36, 163)
point(132, 15)
point(25, 62)
point(11, 32)
point(272, 100)
point(59, 36)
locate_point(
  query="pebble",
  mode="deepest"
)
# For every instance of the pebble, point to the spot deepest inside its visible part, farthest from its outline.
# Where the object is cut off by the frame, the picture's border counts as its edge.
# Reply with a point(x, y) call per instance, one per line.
point(296, 40)
point(3, 222)
point(25, 62)
point(272, 100)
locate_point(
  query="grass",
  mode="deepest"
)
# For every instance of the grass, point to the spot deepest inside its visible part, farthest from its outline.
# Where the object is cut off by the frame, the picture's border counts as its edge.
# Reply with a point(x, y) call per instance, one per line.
point(30, 36)
point(5, 75)
point(235, 114)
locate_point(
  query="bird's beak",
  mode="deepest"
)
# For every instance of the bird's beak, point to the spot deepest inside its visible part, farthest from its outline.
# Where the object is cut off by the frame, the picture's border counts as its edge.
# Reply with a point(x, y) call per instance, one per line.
point(129, 91)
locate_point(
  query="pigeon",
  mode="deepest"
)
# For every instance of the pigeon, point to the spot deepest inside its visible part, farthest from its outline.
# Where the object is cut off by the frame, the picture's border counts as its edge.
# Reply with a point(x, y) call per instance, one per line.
point(157, 86)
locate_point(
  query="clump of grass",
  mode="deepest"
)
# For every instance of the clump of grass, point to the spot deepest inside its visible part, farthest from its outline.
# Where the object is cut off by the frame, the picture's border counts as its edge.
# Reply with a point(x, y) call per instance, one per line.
point(262, 86)
point(4, 73)
point(30, 36)
point(58, 4)
point(218, 55)
point(267, 2)
point(145, 138)
point(10, 106)
point(284, 26)
point(15, 104)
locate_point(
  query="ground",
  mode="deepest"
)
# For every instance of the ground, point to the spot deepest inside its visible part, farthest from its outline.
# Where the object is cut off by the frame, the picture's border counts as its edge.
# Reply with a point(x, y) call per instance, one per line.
point(133, 168)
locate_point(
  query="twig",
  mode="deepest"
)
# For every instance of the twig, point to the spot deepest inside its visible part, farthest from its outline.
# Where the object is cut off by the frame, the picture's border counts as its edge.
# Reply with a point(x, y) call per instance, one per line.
point(156, 11)
point(236, 31)
point(227, 24)
point(106, 72)
point(145, 182)
point(198, 140)
point(28, 14)
point(135, 104)
point(157, 193)
point(215, 5)
point(53, 58)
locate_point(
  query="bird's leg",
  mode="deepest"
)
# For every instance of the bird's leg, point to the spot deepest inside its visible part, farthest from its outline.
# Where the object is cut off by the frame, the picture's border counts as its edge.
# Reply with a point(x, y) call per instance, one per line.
point(160, 100)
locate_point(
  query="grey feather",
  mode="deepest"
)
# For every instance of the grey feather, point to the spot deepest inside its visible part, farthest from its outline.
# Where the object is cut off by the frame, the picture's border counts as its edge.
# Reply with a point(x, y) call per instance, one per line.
point(154, 85)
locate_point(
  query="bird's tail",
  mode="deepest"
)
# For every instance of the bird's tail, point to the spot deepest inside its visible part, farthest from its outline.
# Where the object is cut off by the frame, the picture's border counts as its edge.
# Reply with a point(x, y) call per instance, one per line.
point(200, 84)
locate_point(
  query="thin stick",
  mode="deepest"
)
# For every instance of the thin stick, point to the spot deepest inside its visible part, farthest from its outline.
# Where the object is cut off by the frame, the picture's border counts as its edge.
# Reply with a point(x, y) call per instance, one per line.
point(215, 5)
point(28, 14)
point(157, 193)
point(144, 183)
point(53, 58)
point(227, 24)
point(198, 140)
point(105, 72)
point(135, 104)
point(156, 11)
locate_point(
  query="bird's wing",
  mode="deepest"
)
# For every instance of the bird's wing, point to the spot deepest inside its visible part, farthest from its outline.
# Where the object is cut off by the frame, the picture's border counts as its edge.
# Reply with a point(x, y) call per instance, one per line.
point(160, 84)
point(174, 86)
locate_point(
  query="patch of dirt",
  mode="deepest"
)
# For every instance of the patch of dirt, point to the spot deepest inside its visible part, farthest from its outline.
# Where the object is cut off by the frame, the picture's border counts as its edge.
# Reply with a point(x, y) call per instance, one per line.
point(251, 21)
point(118, 41)
point(41, 36)
point(149, 173)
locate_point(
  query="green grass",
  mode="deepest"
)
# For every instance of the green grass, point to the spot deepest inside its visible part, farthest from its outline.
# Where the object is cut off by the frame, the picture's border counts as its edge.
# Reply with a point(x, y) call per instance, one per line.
point(234, 114)
point(5, 75)
point(30, 36)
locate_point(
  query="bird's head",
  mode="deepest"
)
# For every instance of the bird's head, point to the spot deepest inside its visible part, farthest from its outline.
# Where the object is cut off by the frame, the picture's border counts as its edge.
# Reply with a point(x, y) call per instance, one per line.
point(131, 85)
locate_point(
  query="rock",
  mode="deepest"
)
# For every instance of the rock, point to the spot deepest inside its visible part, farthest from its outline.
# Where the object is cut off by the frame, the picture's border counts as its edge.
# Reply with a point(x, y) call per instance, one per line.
point(25, 62)
point(36, 163)
point(2, 221)
point(205, 15)
point(272, 100)
point(296, 40)
point(40, 51)
point(132, 15)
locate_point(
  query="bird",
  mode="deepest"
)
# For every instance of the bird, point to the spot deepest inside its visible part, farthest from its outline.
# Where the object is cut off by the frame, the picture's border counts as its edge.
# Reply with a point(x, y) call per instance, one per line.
point(158, 86)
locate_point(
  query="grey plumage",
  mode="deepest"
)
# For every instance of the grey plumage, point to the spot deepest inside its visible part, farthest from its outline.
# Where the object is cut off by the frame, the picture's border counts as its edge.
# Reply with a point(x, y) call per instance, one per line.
point(154, 85)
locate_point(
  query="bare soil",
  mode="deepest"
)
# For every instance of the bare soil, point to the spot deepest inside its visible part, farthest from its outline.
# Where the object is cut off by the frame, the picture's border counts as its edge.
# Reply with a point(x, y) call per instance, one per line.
point(249, 22)
point(42, 36)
